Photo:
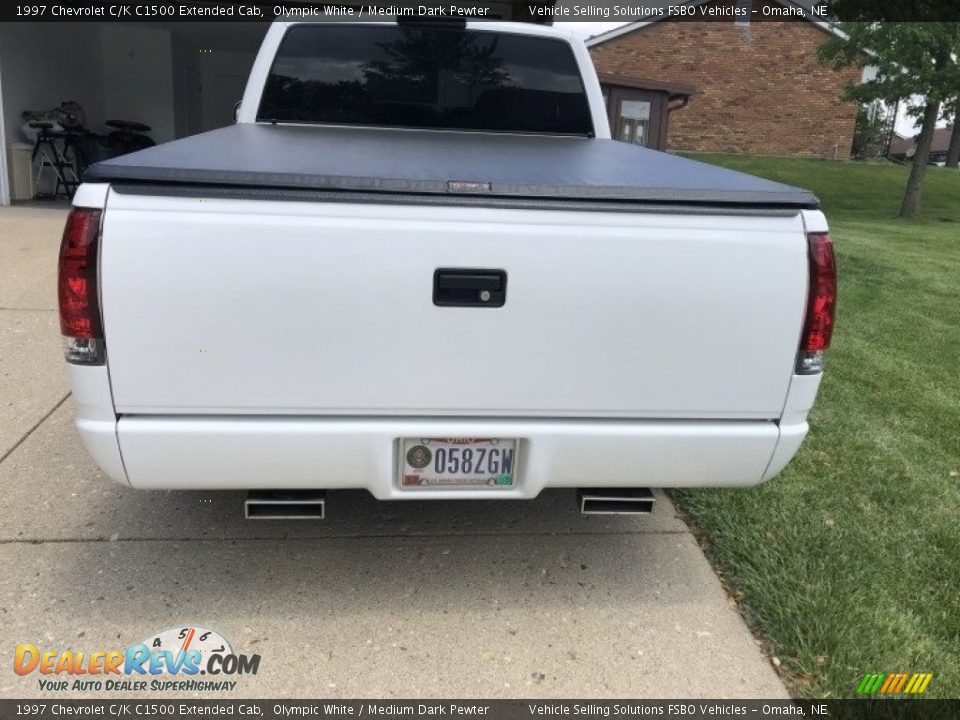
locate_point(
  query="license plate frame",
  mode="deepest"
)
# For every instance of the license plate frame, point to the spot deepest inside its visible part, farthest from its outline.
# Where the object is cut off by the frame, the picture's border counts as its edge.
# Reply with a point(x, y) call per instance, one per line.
point(424, 471)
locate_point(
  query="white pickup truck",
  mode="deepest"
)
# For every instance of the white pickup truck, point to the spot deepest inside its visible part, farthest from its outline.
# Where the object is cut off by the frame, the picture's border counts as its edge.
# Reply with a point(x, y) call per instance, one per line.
point(417, 264)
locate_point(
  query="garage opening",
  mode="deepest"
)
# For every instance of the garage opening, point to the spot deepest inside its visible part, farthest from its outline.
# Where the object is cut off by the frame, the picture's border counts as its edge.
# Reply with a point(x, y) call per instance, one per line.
point(97, 89)
point(73, 93)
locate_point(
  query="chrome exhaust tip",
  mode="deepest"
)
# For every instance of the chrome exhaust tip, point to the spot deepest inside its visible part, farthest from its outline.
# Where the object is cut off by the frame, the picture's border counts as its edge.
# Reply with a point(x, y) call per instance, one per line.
point(285, 505)
point(615, 501)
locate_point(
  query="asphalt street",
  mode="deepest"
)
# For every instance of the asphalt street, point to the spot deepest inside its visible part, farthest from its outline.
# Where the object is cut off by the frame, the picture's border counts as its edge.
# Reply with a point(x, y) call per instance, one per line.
point(403, 600)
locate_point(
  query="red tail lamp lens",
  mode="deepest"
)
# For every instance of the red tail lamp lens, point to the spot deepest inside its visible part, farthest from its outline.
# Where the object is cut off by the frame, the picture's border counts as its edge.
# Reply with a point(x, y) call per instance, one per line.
point(822, 296)
point(77, 286)
point(821, 305)
point(77, 289)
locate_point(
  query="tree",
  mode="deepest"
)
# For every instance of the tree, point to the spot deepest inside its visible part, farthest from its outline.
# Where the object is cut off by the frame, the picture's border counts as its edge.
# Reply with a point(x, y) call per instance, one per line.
point(911, 58)
point(871, 131)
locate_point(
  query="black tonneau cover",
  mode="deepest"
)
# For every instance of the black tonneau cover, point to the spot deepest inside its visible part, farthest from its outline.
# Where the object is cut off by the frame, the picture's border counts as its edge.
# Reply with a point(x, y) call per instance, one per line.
point(441, 162)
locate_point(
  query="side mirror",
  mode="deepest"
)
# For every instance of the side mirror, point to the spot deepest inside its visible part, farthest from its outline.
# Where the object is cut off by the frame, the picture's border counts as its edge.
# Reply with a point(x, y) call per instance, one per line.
point(236, 110)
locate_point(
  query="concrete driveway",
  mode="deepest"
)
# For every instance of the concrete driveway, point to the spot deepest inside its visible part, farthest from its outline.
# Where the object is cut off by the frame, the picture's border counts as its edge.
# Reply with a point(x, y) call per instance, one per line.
point(465, 599)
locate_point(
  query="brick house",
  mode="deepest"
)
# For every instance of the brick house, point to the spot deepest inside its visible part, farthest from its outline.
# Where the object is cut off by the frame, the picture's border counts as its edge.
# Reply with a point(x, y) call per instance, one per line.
point(726, 86)
point(903, 148)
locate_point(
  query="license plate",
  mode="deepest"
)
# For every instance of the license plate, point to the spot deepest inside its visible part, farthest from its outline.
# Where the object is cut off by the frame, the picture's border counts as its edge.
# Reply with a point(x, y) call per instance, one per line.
point(458, 463)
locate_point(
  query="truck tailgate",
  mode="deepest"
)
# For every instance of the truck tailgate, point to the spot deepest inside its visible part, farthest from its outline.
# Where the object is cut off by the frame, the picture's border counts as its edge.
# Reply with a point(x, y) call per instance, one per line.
point(269, 307)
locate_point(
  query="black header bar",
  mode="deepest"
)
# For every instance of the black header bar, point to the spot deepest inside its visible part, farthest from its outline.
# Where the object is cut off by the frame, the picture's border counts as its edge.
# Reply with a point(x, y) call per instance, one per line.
point(542, 11)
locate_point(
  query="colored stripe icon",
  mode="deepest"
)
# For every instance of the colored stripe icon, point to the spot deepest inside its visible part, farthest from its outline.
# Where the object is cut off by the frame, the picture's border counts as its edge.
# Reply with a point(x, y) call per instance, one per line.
point(894, 683)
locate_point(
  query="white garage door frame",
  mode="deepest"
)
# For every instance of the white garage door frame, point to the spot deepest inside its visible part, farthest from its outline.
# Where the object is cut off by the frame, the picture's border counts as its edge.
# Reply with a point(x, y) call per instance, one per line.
point(4, 175)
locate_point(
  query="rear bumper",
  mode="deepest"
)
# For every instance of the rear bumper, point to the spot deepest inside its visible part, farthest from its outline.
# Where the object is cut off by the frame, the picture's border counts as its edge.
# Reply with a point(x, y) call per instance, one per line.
point(248, 452)
point(293, 453)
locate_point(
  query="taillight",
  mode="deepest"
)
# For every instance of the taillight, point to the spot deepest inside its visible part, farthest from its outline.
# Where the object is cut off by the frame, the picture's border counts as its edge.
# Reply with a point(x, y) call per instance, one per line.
point(821, 304)
point(77, 288)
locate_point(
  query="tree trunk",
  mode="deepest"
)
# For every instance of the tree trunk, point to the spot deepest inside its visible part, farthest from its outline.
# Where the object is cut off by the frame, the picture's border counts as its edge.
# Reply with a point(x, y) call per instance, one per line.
point(911, 198)
point(953, 152)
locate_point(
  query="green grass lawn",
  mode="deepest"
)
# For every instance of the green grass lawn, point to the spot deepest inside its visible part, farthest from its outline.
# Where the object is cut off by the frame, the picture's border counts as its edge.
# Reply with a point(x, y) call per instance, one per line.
point(849, 562)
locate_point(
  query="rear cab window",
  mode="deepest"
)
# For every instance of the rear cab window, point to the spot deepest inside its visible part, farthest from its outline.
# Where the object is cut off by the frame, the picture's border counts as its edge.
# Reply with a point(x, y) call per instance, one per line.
point(441, 77)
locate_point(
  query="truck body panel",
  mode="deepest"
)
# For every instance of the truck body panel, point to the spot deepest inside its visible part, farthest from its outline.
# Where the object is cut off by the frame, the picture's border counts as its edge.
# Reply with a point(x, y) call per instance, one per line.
point(247, 307)
point(221, 453)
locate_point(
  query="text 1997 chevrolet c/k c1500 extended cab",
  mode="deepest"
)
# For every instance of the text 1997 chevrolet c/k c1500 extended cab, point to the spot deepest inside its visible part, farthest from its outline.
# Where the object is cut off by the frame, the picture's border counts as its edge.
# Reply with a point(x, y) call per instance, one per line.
point(418, 264)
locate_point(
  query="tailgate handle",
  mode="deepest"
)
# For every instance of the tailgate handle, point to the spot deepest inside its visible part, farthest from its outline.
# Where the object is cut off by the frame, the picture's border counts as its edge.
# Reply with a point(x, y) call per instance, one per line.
point(463, 287)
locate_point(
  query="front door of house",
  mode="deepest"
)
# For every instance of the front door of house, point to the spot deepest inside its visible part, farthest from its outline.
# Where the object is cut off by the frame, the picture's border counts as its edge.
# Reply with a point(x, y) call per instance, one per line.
point(636, 116)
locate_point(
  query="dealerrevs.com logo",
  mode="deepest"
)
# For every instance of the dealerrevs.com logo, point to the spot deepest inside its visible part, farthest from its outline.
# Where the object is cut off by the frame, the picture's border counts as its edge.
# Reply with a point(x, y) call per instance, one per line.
point(190, 658)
